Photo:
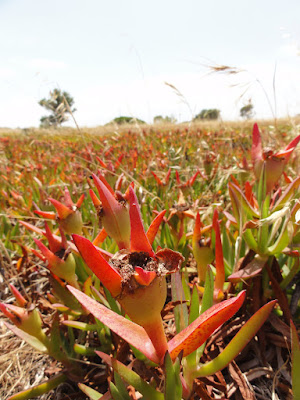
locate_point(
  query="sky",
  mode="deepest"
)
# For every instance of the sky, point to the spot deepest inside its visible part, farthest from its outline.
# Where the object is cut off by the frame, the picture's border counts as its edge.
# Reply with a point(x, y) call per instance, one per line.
point(115, 57)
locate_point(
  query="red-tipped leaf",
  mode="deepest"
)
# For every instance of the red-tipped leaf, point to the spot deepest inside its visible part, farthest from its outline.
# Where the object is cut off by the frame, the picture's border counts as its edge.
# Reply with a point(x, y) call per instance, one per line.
point(220, 270)
point(138, 239)
point(133, 334)
point(110, 278)
point(155, 224)
point(199, 330)
point(62, 210)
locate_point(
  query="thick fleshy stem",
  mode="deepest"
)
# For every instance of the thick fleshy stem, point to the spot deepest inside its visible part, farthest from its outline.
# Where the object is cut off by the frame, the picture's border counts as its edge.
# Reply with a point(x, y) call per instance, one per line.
point(156, 333)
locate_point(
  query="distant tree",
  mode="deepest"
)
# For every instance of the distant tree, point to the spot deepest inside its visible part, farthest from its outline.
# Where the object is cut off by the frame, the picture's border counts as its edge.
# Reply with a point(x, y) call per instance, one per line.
point(210, 114)
point(59, 104)
point(160, 119)
point(247, 111)
point(127, 120)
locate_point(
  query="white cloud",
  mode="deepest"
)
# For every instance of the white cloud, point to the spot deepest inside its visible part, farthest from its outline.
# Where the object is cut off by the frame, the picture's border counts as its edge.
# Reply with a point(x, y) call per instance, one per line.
point(6, 73)
point(45, 63)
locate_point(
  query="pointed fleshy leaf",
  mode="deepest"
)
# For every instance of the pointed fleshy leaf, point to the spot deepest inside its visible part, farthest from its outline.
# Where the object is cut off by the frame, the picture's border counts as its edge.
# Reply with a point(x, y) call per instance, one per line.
point(144, 277)
point(203, 254)
point(173, 386)
point(193, 178)
point(8, 314)
point(80, 201)
point(83, 326)
point(283, 239)
point(54, 244)
point(100, 237)
point(197, 228)
point(199, 331)
point(115, 217)
point(21, 301)
point(71, 245)
point(252, 269)
point(230, 217)
point(46, 214)
point(62, 267)
point(40, 389)
point(94, 198)
point(102, 163)
point(194, 305)
point(109, 277)
point(134, 334)
point(291, 146)
point(67, 198)
point(237, 344)
point(101, 178)
point(32, 340)
point(62, 210)
point(256, 150)
point(208, 295)
point(119, 160)
point(287, 195)
point(295, 361)
point(155, 224)
point(138, 239)
point(132, 378)
point(220, 270)
point(240, 204)
point(91, 393)
point(52, 259)
point(167, 177)
point(249, 193)
point(121, 387)
point(158, 180)
point(180, 310)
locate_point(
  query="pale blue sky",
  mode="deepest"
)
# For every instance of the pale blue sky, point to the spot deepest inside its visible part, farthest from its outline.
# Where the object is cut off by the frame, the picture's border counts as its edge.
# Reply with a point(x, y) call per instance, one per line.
point(114, 56)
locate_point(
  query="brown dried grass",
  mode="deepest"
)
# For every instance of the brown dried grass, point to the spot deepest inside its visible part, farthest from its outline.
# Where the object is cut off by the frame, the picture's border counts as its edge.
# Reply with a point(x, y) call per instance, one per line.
point(21, 366)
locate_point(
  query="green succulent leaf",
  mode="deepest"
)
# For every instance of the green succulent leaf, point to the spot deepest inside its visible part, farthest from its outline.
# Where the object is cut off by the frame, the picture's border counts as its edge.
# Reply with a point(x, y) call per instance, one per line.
point(31, 340)
point(236, 345)
point(132, 378)
point(295, 361)
point(91, 393)
point(41, 389)
point(173, 386)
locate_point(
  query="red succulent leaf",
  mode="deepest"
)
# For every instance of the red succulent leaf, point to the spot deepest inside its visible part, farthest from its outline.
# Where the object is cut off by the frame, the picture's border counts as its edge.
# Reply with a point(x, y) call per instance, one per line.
point(109, 277)
point(158, 180)
point(46, 214)
point(94, 198)
point(256, 151)
point(67, 199)
point(54, 244)
point(153, 228)
point(167, 177)
point(143, 277)
point(193, 178)
point(48, 254)
point(105, 183)
point(100, 237)
point(102, 163)
point(199, 330)
point(80, 201)
point(62, 210)
point(19, 298)
point(116, 218)
point(133, 333)
point(138, 238)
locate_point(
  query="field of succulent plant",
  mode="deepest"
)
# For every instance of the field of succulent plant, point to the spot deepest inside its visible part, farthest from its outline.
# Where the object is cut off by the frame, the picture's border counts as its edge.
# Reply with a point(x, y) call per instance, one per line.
point(154, 262)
